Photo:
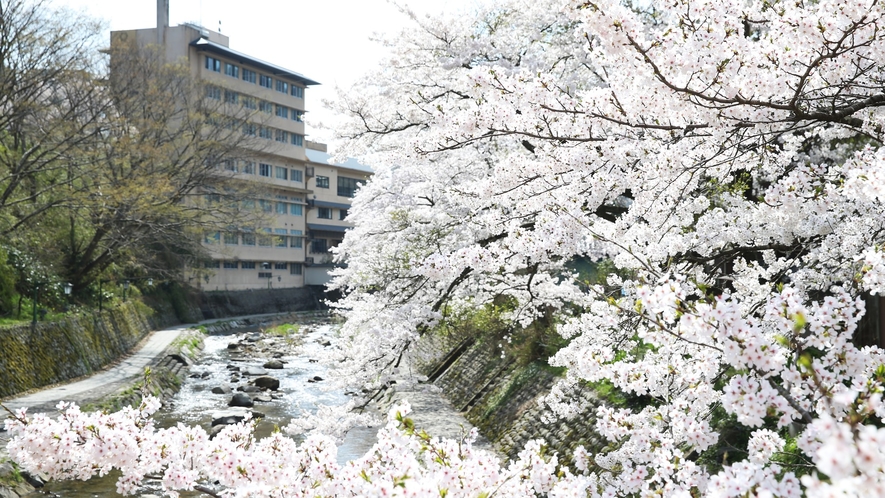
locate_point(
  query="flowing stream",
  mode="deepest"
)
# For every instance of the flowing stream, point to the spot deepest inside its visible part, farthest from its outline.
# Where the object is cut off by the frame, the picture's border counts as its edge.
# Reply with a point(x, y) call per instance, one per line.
point(195, 403)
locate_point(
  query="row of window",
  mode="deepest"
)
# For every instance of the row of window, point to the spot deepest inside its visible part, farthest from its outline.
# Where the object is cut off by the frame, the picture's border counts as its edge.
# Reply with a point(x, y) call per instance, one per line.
point(294, 268)
point(270, 171)
point(268, 133)
point(346, 186)
point(278, 237)
point(249, 76)
point(326, 213)
point(232, 97)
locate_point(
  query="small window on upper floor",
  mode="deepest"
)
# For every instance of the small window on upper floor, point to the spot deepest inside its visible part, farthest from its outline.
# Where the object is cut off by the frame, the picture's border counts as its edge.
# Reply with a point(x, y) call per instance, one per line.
point(265, 106)
point(297, 91)
point(282, 111)
point(342, 214)
point(297, 175)
point(281, 173)
point(231, 70)
point(322, 182)
point(248, 76)
point(324, 213)
point(298, 140)
point(265, 81)
point(213, 64)
point(297, 115)
point(264, 169)
point(282, 86)
point(231, 97)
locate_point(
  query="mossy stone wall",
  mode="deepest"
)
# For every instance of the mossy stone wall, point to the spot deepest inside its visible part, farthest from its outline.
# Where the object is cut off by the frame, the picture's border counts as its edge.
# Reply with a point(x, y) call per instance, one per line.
point(503, 396)
point(52, 352)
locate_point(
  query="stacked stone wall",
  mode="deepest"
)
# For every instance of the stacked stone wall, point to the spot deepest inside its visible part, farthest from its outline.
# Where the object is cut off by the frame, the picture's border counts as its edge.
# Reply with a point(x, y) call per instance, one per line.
point(503, 396)
point(51, 352)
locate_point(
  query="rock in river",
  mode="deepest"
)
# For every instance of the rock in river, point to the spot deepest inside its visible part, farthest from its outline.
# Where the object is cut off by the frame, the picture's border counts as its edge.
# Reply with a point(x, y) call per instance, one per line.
point(267, 382)
point(241, 399)
point(274, 364)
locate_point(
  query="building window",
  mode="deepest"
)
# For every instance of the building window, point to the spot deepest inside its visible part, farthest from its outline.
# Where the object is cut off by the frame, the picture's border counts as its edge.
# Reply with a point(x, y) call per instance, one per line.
point(231, 97)
point(249, 167)
point(296, 209)
point(248, 240)
point(324, 213)
point(231, 70)
point(265, 239)
point(342, 214)
point(249, 129)
point(297, 175)
point(231, 265)
point(296, 238)
point(229, 165)
point(282, 86)
point(265, 81)
point(279, 239)
point(322, 182)
point(265, 274)
point(231, 238)
point(247, 265)
point(280, 266)
point(298, 91)
point(213, 64)
point(212, 238)
point(298, 140)
point(213, 263)
point(265, 106)
point(281, 136)
point(265, 132)
point(297, 115)
point(282, 173)
point(283, 111)
point(295, 268)
point(347, 186)
point(281, 208)
point(319, 246)
point(264, 169)
point(249, 102)
point(266, 206)
point(248, 76)
point(213, 92)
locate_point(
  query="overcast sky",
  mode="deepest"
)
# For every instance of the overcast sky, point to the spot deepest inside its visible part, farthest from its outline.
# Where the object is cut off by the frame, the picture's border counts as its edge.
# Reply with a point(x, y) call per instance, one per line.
point(325, 40)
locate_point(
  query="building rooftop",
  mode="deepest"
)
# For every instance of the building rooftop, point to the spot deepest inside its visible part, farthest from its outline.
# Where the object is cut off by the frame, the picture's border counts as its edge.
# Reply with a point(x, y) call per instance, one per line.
point(205, 45)
point(317, 156)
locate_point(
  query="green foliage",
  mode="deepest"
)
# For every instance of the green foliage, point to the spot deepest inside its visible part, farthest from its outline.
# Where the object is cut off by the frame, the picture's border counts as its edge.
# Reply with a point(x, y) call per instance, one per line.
point(7, 285)
point(284, 330)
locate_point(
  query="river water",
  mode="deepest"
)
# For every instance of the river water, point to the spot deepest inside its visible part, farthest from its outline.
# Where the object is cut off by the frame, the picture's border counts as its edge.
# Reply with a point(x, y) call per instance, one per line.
point(195, 403)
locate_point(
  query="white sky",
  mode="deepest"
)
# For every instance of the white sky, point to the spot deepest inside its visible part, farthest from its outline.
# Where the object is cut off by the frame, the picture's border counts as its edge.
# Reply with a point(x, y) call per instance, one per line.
point(325, 40)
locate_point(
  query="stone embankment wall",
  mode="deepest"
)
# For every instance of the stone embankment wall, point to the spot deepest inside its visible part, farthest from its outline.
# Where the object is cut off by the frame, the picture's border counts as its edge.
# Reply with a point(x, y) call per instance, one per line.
point(218, 304)
point(503, 396)
point(53, 352)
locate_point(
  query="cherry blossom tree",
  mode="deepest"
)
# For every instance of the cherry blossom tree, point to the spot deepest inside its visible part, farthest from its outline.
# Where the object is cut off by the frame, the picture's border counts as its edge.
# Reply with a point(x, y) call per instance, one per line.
point(724, 156)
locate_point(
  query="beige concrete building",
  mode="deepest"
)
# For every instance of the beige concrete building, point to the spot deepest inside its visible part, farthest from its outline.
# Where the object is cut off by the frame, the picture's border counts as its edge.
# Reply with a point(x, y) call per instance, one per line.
point(302, 195)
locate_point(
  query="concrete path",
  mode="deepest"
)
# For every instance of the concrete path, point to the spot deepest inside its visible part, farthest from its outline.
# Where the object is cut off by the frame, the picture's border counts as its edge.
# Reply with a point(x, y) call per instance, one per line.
point(106, 382)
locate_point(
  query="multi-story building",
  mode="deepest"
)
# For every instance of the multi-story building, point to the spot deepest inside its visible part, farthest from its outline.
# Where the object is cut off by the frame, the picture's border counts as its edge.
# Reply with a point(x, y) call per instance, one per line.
point(304, 197)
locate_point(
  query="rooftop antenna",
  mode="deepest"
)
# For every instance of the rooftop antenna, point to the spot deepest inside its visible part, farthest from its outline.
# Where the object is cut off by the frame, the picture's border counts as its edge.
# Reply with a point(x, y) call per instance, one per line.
point(219, 26)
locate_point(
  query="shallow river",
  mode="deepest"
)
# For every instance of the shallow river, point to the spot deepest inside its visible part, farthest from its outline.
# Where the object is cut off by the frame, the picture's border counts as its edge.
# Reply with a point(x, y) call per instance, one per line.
point(195, 403)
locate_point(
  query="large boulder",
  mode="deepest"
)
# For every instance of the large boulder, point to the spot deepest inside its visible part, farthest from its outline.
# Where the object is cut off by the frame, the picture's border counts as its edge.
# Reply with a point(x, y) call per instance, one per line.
point(274, 364)
point(222, 389)
point(241, 399)
point(267, 382)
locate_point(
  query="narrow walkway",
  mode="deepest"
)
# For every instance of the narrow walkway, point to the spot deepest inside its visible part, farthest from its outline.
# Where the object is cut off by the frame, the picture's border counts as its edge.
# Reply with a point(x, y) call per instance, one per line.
point(106, 382)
